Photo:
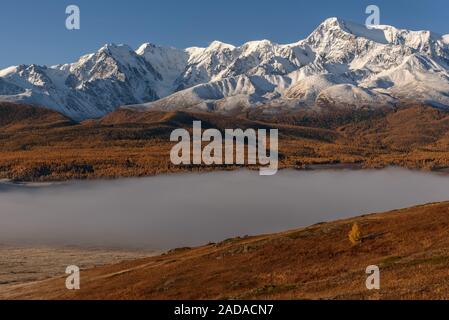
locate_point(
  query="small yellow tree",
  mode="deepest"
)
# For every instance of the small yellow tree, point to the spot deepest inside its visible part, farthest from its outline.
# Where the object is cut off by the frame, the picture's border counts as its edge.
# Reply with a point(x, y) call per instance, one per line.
point(354, 234)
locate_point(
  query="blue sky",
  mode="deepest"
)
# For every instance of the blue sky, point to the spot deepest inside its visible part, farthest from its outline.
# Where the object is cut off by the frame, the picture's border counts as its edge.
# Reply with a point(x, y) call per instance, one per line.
point(34, 31)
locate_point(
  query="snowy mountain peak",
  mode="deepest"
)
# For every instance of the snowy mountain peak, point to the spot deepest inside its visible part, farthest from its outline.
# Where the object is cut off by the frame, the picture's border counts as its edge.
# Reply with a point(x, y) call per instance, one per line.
point(339, 63)
point(218, 45)
point(383, 34)
point(112, 47)
point(332, 22)
point(334, 28)
point(445, 38)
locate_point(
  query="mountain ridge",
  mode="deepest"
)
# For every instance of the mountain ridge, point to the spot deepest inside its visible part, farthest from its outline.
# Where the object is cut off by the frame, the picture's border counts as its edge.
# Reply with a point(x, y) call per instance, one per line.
point(339, 64)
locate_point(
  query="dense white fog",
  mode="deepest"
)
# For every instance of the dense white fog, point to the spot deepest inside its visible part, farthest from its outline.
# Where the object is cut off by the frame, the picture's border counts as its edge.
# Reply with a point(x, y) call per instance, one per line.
point(184, 210)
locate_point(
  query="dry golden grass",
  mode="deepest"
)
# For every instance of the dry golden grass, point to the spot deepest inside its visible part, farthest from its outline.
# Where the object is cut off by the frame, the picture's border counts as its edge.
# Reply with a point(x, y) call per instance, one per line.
point(410, 246)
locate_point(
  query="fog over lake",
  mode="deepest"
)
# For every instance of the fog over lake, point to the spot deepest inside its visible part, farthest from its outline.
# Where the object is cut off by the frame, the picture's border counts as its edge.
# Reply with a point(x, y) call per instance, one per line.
point(193, 209)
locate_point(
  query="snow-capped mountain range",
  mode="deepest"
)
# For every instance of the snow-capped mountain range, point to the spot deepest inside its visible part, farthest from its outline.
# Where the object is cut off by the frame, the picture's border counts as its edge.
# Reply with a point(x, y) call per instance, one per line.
point(340, 63)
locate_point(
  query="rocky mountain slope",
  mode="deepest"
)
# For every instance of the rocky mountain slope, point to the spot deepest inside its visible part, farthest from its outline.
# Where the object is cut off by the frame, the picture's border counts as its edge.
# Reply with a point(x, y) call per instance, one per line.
point(339, 64)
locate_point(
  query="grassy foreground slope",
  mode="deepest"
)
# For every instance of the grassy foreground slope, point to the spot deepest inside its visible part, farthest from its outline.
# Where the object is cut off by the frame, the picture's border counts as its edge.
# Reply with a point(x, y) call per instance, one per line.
point(411, 247)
